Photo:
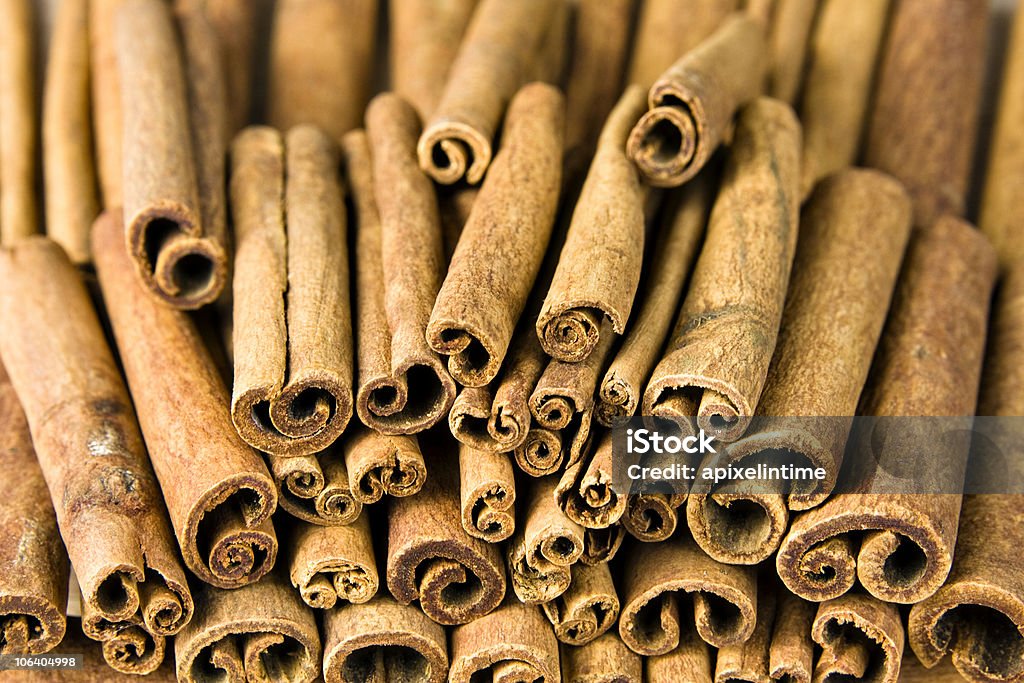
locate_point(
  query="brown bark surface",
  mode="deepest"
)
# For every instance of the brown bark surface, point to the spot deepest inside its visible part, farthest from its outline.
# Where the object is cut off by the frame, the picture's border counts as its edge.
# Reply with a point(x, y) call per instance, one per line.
point(19, 133)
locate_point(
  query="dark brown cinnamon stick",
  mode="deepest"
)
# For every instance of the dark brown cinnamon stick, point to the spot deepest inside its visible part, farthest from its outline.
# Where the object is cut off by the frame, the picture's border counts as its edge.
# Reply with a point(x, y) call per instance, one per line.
point(860, 637)
point(587, 609)
point(18, 123)
point(292, 337)
point(694, 101)
point(217, 489)
point(236, 24)
point(488, 493)
point(512, 643)
point(328, 564)
point(542, 452)
point(380, 465)
point(316, 488)
point(718, 356)
point(601, 545)
point(586, 492)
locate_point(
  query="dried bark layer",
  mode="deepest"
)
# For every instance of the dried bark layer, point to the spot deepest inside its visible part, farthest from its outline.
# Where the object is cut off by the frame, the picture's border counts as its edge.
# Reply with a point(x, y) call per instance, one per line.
point(316, 488)
point(603, 660)
point(587, 609)
point(218, 491)
point(488, 494)
point(791, 653)
point(694, 101)
point(860, 638)
point(925, 365)
point(292, 338)
point(18, 122)
point(787, 47)
point(331, 564)
point(544, 548)
point(511, 643)
point(380, 465)
point(717, 358)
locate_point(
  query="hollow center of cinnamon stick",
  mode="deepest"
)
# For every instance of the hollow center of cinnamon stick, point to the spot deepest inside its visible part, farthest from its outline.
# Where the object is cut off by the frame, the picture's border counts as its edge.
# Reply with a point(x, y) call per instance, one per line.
point(192, 272)
point(385, 663)
point(989, 639)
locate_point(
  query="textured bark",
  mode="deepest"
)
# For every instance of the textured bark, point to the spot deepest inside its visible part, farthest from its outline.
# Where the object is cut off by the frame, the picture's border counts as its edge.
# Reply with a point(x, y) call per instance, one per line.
point(236, 24)
point(105, 89)
point(587, 609)
point(791, 653)
point(748, 661)
point(586, 492)
point(860, 638)
point(488, 494)
point(316, 488)
point(689, 661)
point(787, 47)
point(601, 545)
point(603, 660)
point(544, 547)
point(513, 642)
point(218, 491)
point(380, 465)
point(18, 122)
point(652, 517)
point(331, 563)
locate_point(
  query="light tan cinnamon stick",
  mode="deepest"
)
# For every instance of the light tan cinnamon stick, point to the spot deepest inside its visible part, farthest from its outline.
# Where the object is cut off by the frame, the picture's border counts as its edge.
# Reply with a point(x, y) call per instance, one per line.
point(488, 494)
point(601, 545)
point(498, 54)
point(108, 505)
point(652, 517)
point(380, 465)
point(586, 492)
point(292, 337)
point(603, 660)
point(331, 563)
point(791, 27)
point(748, 661)
point(236, 23)
point(258, 632)
point(18, 123)
point(717, 358)
point(694, 101)
point(383, 641)
point(33, 562)
point(217, 489)
point(546, 544)
point(105, 91)
point(541, 453)
point(512, 643)
point(853, 232)
point(860, 637)
point(791, 653)
point(321, 63)
point(403, 384)
point(599, 267)
point(316, 488)
point(502, 246)
point(587, 608)
point(68, 173)
point(431, 558)
point(689, 661)
point(841, 63)
point(926, 103)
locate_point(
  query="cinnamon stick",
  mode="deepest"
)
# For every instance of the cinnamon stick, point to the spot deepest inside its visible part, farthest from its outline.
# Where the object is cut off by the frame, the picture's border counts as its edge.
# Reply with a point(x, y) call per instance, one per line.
point(652, 619)
point(497, 55)
point(431, 558)
point(860, 638)
point(512, 643)
point(792, 22)
point(33, 562)
point(841, 63)
point(853, 232)
point(603, 660)
point(292, 337)
point(403, 385)
point(587, 493)
point(18, 123)
point(599, 267)
point(108, 506)
point(544, 547)
point(127, 646)
point(690, 660)
point(925, 365)
point(601, 545)
point(254, 633)
point(105, 91)
point(321, 63)
point(717, 358)
point(748, 661)
point(503, 244)
point(791, 653)
point(380, 465)
point(383, 640)
point(675, 250)
point(236, 24)
point(542, 452)
point(652, 517)
point(926, 103)
point(587, 609)
point(424, 39)
point(332, 563)
point(218, 491)
point(174, 120)
point(694, 101)
point(488, 494)
point(316, 488)
point(68, 174)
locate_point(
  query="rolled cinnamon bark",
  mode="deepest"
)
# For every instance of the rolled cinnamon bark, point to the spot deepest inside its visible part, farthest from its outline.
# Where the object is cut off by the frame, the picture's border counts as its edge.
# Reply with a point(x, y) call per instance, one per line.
point(724, 597)
point(694, 101)
point(431, 558)
point(689, 661)
point(586, 492)
point(513, 643)
point(403, 385)
point(599, 267)
point(587, 609)
point(748, 661)
point(926, 103)
point(791, 653)
point(977, 616)
point(541, 453)
point(380, 465)
point(321, 63)
point(126, 645)
point(860, 638)
point(498, 54)
point(292, 337)
point(423, 41)
point(218, 492)
point(652, 517)
point(853, 233)
point(33, 562)
point(684, 219)
point(257, 632)
point(603, 660)
point(668, 29)
point(108, 508)
point(328, 564)
point(925, 365)
point(488, 493)
point(105, 89)
point(544, 547)
point(503, 244)
point(68, 174)
point(18, 124)
point(601, 545)
point(383, 641)
point(236, 24)
point(316, 488)
point(718, 356)
point(1001, 206)
point(841, 63)
point(792, 22)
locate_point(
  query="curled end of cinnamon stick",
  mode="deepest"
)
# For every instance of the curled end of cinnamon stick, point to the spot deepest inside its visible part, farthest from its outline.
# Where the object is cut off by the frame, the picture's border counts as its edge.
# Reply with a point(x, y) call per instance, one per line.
point(617, 400)
point(571, 335)
point(861, 638)
point(476, 422)
point(315, 489)
point(450, 151)
point(132, 650)
point(541, 453)
point(488, 511)
point(410, 400)
point(737, 527)
point(717, 409)
point(29, 625)
point(651, 518)
point(470, 361)
point(665, 143)
point(380, 465)
point(304, 417)
point(601, 545)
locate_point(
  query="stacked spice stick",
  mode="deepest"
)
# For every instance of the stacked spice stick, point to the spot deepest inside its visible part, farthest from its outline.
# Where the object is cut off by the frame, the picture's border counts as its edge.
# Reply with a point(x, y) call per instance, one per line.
point(317, 369)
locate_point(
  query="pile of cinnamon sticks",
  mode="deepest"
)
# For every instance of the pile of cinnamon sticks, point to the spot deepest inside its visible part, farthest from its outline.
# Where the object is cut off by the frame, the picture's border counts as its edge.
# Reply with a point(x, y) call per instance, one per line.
point(317, 369)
